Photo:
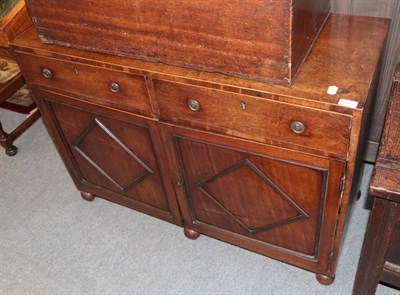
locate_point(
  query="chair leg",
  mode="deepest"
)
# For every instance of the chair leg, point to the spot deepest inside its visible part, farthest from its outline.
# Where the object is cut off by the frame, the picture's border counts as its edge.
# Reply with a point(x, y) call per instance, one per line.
point(7, 143)
point(7, 140)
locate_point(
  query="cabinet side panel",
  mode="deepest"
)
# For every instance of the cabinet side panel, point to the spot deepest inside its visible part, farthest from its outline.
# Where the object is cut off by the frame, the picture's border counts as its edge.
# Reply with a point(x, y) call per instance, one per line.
point(308, 19)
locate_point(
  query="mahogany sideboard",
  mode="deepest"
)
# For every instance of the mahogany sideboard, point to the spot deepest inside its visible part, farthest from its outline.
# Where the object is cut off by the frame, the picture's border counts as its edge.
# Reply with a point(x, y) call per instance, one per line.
point(270, 168)
point(380, 256)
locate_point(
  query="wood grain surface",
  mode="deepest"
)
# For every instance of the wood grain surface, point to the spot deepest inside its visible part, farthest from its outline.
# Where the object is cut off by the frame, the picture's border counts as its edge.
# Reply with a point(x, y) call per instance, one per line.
point(209, 161)
point(255, 39)
point(379, 8)
point(386, 180)
point(352, 73)
point(15, 22)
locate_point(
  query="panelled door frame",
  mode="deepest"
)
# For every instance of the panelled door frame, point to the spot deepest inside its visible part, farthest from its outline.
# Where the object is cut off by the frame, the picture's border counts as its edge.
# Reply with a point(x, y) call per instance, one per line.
point(46, 97)
point(329, 214)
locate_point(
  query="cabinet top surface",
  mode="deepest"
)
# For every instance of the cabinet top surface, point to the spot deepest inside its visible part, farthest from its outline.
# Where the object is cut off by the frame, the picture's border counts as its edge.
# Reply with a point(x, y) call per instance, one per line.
point(345, 55)
point(386, 180)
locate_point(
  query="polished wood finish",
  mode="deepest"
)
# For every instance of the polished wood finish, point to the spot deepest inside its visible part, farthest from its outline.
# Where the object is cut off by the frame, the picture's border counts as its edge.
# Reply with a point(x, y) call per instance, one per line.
point(252, 117)
point(78, 77)
point(14, 23)
point(239, 192)
point(114, 155)
point(386, 181)
point(191, 234)
point(235, 167)
point(325, 280)
point(87, 196)
point(387, 9)
point(380, 257)
point(310, 88)
point(262, 40)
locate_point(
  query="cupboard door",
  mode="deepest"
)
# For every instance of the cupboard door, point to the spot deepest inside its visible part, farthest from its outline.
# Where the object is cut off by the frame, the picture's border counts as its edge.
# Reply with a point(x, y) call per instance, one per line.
point(260, 197)
point(113, 158)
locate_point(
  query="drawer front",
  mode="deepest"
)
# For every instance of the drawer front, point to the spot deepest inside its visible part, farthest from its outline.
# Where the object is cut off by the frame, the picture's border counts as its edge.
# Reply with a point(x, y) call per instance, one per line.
point(97, 84)
point(253, 118)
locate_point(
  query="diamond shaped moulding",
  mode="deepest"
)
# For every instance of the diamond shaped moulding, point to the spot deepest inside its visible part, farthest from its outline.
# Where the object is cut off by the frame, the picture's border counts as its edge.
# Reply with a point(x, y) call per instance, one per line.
point(271, 208)
point(97, 135)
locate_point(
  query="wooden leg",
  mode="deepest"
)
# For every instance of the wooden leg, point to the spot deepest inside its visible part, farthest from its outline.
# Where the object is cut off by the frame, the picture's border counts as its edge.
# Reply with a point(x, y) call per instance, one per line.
point(374, 248)
point(6, 143)
point(324, 279)
point(7, 140)
point(87, 196)
point(12, 150)
point(191, 234)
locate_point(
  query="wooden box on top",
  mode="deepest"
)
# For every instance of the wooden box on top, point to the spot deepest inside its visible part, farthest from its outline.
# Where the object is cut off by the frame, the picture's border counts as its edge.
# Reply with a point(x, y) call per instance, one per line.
point(265, 40)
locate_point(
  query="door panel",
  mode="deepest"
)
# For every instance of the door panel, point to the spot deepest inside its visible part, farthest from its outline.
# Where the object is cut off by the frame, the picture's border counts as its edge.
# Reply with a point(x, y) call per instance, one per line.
point(113, 158)
point(260, 197)
point(114, 154)
point(253, 195)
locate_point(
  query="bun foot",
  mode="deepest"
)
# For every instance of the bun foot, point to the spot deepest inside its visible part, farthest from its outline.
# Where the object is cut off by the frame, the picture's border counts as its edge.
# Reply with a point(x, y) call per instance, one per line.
point(87, 196)
point(11, 150)
point(325, 280)
point(191, 234)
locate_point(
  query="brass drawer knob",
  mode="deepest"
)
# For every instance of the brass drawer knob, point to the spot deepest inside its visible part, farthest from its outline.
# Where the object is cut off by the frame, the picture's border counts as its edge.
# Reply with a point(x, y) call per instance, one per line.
point(114, 87)
point(47, 73)
point(194, 105)
point(297, 127)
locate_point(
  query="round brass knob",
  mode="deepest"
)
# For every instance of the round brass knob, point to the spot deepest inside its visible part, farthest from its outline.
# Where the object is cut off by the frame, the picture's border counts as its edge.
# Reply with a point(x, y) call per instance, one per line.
point(298, 127)
point(194, 105)
point(114, 87)
point(47, 73)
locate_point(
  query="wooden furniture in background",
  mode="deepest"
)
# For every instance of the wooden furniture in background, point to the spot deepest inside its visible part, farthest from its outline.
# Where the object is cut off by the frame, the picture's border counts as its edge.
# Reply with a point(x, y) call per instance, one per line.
point(7, 140)
point(270, 168)
point(262, 40)
point(380, 256)
point(378, 8)
point(16, 21)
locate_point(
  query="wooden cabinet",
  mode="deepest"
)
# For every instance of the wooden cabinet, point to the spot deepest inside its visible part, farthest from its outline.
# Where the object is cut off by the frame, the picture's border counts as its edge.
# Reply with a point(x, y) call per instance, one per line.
point(270, 168)
point(112, 156)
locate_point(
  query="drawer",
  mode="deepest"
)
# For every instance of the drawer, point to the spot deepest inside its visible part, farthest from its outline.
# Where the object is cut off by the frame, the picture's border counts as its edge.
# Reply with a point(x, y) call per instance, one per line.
point(99, 85)
point(253, 118)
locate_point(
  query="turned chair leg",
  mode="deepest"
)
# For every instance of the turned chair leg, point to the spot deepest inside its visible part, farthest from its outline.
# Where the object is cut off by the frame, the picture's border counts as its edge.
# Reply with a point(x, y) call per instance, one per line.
point(7, 140)
point(7, 143)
